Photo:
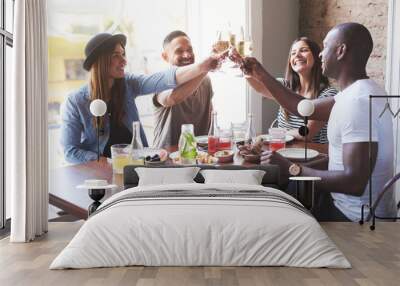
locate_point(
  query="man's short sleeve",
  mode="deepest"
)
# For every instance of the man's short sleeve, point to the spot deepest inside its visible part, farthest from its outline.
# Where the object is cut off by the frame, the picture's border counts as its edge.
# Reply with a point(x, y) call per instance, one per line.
point(355, 126)
point(210, 88)
point(155, 101)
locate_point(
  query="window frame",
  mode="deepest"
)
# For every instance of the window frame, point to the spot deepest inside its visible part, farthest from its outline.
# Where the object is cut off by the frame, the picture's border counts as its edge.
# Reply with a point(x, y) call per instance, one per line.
point(6, 39)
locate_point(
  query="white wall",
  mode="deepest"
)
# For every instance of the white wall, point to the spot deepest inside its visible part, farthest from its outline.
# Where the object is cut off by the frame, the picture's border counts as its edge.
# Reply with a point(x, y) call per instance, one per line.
point(280, 22)
point(393, 74)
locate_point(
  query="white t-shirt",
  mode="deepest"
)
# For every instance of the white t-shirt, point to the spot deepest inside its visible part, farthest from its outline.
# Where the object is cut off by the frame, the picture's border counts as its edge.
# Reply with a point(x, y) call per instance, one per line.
point(349, 123)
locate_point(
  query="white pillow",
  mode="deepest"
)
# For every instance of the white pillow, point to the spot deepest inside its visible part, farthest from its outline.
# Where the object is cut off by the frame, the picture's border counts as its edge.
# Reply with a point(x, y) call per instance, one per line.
point(248, 177)
point(166, 176)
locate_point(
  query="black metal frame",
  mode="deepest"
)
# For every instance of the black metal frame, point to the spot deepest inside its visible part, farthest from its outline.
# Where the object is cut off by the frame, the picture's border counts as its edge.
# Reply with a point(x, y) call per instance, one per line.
point(6, 39)
point(390, 183)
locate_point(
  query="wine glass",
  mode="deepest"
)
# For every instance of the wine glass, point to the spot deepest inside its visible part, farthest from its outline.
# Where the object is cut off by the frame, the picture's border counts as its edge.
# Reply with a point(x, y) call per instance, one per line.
point(243, 48)
point(248, 47)
point(221, 44)
point(222, 41)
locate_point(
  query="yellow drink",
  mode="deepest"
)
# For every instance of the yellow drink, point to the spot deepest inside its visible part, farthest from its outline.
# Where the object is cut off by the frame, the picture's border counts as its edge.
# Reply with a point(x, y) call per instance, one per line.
point(248, 48)
point(119, 162)
point(232, 39)
point(221, 46)
point(137, 162)
point(240, 48)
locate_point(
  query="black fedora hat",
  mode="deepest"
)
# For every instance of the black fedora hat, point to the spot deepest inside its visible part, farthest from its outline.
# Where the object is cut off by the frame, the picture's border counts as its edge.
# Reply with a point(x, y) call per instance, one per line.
point(99, 44)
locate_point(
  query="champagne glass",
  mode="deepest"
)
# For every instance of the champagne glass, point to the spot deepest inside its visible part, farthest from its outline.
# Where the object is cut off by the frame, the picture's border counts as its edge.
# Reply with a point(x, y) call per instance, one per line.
point(222, 42)
point(243, 48)
point(248, 47)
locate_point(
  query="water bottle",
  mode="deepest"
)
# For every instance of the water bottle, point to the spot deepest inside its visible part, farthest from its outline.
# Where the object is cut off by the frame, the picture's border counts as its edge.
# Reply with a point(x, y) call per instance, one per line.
point(137, 144)
point(250, 131)
point(187, 145)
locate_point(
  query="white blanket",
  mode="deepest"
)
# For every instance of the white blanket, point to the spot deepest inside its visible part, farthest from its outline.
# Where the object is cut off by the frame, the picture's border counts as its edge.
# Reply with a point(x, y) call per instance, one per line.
point(191, 230)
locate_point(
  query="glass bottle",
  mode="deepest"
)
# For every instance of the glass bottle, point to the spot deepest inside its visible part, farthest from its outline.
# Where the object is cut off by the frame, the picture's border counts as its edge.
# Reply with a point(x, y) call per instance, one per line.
point(137, 144)
point(187, 145)
point(250, 131)
point(213, 134)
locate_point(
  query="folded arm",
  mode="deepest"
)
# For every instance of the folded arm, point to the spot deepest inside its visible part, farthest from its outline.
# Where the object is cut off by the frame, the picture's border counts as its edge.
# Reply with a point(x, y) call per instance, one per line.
point(175, 96)
point(319, 164)
point(351, 180)
point(354, 178)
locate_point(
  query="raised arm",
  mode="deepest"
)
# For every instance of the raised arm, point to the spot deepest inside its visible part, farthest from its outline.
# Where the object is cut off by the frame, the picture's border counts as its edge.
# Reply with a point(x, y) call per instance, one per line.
point(284, 96)
point(175, 96)
point(259, 87)
point(173, 77)
point(189, 72)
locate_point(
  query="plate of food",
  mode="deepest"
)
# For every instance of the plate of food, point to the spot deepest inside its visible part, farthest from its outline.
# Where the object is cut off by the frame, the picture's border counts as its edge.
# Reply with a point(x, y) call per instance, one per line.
point(267, 137)
point(201, 158)
point(153, 156)
point(224, 156)
point(251, 152)
point(297, 153)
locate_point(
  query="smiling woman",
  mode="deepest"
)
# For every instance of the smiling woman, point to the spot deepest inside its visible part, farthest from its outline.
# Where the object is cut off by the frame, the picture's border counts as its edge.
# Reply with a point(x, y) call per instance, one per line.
point(72, 23)
point(304, 76)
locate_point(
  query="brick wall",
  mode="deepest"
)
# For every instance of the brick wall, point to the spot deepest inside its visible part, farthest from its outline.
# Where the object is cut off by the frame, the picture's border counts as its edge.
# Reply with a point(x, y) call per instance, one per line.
point(317, 17)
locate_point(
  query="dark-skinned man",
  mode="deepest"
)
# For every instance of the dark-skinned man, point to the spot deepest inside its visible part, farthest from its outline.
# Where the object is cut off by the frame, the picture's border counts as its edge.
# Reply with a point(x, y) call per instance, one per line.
point(344, 185)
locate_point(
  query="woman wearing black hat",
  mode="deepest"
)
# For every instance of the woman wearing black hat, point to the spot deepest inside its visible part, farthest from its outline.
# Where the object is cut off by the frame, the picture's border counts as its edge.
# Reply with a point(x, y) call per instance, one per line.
point(105, 60)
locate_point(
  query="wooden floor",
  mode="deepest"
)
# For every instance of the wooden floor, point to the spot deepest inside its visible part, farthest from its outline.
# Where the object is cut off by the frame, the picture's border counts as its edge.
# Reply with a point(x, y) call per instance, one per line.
point(375, 257)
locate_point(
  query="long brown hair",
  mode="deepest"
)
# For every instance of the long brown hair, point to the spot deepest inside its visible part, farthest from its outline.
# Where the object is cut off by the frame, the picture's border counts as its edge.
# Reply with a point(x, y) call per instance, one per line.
point(318, 80)
point(99, 88)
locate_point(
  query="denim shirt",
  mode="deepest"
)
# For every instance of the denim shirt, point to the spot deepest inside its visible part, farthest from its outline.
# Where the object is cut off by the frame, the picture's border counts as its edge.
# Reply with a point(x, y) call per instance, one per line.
point(78, 134)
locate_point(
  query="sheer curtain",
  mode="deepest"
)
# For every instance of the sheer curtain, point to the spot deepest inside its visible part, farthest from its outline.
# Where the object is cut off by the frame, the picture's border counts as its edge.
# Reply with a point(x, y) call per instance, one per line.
point(26, 116)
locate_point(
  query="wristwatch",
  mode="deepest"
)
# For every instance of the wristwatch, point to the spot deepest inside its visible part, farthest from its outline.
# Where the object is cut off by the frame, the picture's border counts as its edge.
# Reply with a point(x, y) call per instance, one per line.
point(294, 169)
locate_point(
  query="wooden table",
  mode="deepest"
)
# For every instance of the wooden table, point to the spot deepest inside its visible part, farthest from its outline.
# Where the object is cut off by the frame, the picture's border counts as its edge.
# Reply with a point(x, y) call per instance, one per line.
point(63, 181)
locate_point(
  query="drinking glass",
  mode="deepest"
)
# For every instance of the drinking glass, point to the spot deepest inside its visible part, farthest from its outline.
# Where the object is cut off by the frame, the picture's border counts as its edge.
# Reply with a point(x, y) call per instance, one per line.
point(221, 44)
point(212, 144)
point(121, 156)
point(277, 138)
point(222, 41)
point(248, 47)
point(242, 49)
point(225, 139)
point(238, 131)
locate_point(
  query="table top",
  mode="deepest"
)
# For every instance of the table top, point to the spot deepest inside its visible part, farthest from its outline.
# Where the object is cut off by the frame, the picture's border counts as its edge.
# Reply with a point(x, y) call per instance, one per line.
point(63, 181)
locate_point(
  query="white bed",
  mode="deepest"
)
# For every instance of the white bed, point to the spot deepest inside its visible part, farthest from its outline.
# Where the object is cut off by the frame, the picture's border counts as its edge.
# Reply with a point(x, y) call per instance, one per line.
point(225, 225)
